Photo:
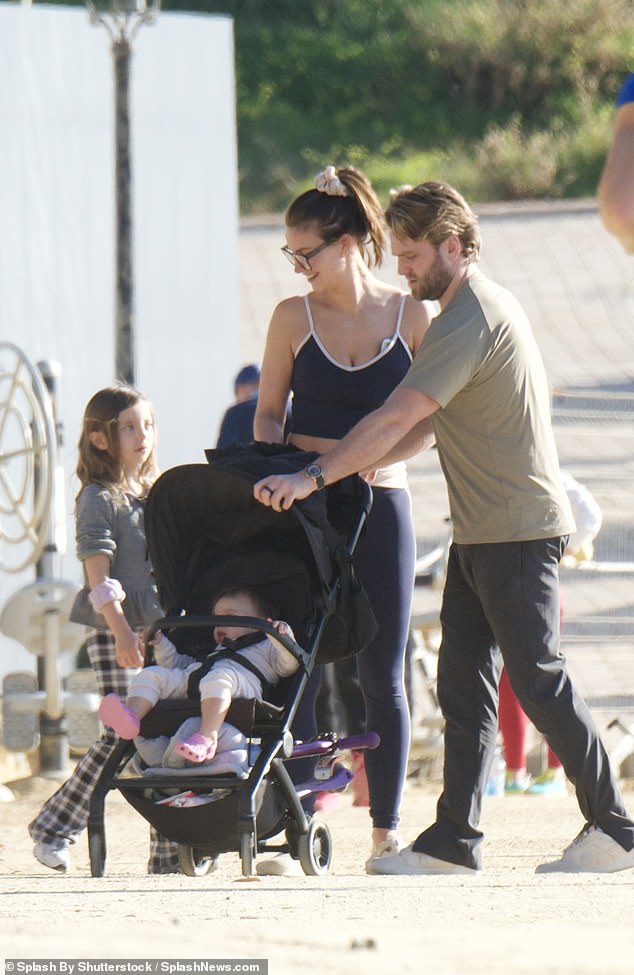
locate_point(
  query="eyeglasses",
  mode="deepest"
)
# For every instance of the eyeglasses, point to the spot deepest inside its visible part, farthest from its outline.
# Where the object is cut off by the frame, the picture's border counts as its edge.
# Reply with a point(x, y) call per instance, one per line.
point(303, 260)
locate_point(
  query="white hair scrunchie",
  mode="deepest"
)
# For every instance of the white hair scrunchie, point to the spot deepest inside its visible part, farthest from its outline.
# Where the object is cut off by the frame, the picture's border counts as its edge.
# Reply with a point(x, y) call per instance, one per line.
point(328, 182)
point(108, 591)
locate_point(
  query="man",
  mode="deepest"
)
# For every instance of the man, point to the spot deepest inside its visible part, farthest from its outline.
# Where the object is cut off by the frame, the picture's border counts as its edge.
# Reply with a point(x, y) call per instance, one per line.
point(479, 378)
point(616, 187)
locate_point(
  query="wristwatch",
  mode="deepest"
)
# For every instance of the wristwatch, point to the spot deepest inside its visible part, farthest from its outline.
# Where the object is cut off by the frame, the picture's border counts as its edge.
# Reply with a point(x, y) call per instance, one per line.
point(315, 472)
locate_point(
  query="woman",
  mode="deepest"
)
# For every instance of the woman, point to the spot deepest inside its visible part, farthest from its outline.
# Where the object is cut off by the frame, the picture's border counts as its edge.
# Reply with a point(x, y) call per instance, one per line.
point(340, 350)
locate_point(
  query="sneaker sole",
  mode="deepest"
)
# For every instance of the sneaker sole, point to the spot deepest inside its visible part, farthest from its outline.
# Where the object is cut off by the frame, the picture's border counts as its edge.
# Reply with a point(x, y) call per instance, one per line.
point(557, 868)
point(443, 867)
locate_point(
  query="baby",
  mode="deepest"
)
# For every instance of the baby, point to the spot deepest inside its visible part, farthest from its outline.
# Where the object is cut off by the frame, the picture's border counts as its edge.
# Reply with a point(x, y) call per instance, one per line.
point(256, 660)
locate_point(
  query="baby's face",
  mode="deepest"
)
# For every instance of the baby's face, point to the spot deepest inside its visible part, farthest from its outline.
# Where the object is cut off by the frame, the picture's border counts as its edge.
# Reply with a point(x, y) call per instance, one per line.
point(238, 604)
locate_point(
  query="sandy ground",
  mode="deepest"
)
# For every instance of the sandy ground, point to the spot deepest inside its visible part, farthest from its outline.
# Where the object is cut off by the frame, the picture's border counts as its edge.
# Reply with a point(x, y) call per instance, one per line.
point(506, 920)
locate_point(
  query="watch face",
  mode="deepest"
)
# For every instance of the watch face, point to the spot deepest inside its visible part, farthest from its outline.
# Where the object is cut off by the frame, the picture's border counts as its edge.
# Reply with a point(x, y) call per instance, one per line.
point(314, 471)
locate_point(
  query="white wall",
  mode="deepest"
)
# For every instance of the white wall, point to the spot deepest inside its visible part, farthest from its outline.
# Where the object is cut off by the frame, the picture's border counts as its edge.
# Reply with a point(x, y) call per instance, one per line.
point(57, 223)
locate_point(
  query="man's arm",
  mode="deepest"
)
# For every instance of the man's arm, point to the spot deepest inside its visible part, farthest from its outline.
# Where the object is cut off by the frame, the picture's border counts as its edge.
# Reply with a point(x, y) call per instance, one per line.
point(420, 437)
point(374, 438)
point(615, 193)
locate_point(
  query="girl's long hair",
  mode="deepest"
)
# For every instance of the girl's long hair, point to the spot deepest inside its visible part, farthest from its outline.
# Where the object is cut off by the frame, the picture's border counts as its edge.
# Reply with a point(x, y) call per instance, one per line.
point(104, 466)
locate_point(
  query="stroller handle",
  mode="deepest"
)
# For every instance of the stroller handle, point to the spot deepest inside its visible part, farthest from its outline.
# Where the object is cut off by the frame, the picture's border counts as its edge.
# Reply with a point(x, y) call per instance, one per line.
point(252, 622)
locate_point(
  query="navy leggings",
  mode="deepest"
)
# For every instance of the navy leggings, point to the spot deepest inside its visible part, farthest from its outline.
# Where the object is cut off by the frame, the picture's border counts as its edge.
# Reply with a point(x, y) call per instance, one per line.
point(385, 563)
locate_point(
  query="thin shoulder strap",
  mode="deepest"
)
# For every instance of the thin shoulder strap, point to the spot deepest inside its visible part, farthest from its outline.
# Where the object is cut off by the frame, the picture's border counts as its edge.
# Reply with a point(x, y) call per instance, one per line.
point(399, 317)
point(309, 315)
point(311, 327)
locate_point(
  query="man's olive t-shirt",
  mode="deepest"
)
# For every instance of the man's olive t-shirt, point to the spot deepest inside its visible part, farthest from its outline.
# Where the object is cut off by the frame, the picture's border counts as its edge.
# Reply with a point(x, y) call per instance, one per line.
point(480, 362)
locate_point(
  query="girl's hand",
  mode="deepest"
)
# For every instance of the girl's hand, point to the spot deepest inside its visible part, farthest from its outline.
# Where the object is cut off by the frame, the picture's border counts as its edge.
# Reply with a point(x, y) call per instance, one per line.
point(129, 650)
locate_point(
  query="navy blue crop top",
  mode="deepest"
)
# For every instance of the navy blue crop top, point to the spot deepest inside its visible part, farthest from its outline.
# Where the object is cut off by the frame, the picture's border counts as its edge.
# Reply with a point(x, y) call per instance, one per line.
point(330, 398)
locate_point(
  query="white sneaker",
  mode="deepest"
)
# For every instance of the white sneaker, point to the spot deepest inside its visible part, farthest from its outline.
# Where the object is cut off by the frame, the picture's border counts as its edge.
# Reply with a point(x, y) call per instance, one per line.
point(408, 862)
point(592, 851)
point(281, 865)
point(57, 857)
point(388, 847)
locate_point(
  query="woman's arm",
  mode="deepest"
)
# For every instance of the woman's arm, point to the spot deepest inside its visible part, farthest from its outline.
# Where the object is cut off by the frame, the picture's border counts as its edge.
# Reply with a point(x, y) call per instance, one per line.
point(420, 437)
point(276, 373)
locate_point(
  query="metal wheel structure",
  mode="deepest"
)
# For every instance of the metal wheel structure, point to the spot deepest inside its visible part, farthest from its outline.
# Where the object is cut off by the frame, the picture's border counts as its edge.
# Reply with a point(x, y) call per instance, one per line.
point(314, 849)
point(194, 863)
point(27, 460)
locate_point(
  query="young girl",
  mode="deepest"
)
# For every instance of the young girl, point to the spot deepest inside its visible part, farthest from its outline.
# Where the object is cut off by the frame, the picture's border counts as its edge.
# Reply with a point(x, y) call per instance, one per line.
point(116, 468)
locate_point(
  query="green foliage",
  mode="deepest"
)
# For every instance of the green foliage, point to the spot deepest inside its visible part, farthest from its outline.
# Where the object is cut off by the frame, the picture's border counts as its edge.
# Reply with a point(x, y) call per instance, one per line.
point(491, 94)
point(506, 98)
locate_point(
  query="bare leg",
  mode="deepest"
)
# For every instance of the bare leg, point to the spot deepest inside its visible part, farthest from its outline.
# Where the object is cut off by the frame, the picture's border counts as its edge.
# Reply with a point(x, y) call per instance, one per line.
point(140, 706)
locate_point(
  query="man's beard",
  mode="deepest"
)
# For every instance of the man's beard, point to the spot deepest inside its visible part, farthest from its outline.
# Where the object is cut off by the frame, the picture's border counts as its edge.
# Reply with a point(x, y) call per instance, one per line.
point(434, 284)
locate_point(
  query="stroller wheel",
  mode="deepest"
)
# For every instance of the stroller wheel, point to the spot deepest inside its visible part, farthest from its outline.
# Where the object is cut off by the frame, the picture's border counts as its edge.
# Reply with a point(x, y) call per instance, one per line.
point(195, 863)
point(314, 849)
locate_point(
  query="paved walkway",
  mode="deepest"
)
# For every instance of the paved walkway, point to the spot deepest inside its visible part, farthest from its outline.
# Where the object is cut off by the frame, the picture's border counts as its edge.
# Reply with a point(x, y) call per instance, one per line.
point(577, 287)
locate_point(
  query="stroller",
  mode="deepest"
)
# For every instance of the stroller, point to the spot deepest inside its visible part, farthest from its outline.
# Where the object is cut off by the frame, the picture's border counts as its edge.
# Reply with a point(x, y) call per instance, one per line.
point(207, 533)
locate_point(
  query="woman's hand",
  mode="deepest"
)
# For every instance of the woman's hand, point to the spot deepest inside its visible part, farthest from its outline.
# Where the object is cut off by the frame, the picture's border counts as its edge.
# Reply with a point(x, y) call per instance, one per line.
point(278, 491)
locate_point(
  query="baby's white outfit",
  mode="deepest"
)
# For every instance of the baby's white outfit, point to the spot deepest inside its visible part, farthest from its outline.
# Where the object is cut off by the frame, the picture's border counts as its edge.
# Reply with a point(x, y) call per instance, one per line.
point(226, 680)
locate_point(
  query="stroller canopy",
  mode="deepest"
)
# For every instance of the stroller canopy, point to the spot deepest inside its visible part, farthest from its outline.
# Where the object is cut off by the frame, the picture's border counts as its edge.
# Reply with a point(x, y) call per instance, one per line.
point(206, 532)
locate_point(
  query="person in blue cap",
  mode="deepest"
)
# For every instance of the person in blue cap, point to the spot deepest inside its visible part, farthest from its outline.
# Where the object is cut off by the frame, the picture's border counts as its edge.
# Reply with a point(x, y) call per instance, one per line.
point(237, 423)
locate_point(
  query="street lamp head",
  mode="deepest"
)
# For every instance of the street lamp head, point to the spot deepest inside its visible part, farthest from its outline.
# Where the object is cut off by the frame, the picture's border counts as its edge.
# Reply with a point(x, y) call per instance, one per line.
point(122, 8)
point(119, 16)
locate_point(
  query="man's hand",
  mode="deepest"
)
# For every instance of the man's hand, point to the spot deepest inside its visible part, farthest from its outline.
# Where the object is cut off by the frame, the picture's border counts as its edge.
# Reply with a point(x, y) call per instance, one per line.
point(278, 491)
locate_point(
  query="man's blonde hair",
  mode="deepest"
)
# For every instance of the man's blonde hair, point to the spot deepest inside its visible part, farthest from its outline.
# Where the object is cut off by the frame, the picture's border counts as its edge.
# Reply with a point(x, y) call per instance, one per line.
point(434, 211)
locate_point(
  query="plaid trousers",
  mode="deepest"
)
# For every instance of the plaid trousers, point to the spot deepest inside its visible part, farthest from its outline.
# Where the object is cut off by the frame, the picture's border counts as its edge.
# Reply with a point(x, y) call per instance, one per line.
point(65, 815)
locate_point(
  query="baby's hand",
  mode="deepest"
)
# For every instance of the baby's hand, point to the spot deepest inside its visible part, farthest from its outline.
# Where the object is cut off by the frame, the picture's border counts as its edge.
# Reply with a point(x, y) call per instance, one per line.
point(282, 628)
point(158, 636)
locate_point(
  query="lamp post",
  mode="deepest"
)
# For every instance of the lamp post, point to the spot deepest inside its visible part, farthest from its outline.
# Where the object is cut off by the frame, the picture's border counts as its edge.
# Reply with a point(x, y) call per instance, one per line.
point(123, 19)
